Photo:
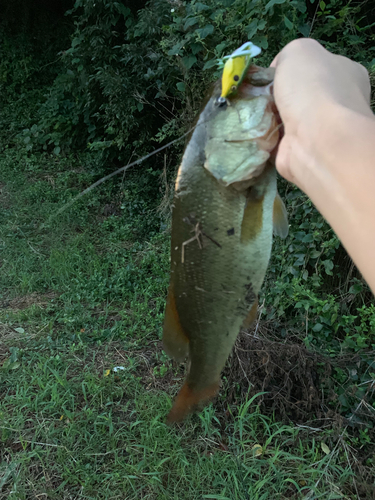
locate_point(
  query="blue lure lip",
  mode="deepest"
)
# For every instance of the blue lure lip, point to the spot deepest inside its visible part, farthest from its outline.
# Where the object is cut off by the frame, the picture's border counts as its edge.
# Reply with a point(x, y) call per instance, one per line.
point(247, 48)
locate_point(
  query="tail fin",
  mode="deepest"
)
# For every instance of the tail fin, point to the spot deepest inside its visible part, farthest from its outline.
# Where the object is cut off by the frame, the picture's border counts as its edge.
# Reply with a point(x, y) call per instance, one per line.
point(188, 400)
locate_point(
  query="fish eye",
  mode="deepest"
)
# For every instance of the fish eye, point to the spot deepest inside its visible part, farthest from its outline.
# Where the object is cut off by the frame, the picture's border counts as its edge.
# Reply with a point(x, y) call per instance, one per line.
point(221, 102)
point(236, 78)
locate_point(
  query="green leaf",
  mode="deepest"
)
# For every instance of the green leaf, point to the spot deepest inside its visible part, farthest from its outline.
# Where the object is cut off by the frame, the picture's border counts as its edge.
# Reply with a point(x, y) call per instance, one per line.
point(271, 3)
point(139, 106)
point(201, 6)
point(328, 266)
point(176, 48)
point(299, 235)
point(252, 29)
point(261, 41)
point(261, 24)
point(188, 61)
point(322, 5)
point(317, 327)
point(222, 46)
point(357, 288)
point(125, 11)
point(315, 254)
point(288, 23)
point(76, 41)
point(181, 86)
point(57, 150)
point(304, 29)
point(209, 64)
point(204, 32)
point(14, 354)
point(190, 22)
point(216, 497)
point(195, 48)
point(308, 238)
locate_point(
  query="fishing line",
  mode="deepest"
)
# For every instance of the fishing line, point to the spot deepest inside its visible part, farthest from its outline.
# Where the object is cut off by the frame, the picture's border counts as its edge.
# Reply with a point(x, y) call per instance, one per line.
point(118, 171)
point(109, 176)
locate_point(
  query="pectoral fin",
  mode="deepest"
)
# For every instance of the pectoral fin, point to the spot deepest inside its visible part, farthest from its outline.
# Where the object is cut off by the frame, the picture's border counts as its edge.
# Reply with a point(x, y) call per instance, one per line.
point(251, 316)
point(252, 219)
point(280, 218)
point(175, 341)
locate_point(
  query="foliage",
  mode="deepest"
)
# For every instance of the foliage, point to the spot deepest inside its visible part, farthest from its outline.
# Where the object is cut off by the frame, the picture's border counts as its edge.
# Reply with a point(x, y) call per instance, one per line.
point(93, 280)
point(85, 294)
point(314, 291)
point(128, 76)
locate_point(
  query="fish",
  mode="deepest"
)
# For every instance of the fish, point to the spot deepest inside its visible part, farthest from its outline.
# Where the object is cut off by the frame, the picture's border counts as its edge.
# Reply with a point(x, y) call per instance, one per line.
point(224, 213)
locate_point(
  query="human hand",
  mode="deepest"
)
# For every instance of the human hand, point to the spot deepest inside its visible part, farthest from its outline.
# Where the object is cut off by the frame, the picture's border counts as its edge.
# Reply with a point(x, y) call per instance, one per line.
point(310, 83)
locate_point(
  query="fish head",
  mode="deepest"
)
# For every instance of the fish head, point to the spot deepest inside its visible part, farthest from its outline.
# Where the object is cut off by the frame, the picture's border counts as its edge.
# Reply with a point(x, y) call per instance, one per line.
point(243, 134)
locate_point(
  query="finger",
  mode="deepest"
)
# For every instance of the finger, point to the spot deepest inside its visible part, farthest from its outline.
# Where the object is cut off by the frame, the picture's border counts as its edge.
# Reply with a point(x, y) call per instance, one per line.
point(275, 61)
point(283, 159)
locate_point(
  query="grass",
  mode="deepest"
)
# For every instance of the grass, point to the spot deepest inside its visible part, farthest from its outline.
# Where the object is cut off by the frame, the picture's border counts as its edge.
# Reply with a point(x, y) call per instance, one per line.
point(86, 294)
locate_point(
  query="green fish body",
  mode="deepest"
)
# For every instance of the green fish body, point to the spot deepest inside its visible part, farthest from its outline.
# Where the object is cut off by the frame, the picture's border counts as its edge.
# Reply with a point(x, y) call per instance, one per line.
point(224, 212)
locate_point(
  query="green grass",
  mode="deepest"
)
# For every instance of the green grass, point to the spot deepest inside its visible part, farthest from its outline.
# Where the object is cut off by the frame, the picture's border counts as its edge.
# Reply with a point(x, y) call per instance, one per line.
point(86, 294)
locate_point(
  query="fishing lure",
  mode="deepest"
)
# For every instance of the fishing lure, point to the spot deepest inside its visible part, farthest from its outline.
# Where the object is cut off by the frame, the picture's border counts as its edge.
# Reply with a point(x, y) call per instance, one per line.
point(235, 68)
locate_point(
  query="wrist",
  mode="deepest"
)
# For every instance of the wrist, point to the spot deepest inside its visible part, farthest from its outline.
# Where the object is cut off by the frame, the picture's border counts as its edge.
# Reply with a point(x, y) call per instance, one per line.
point(337, 171)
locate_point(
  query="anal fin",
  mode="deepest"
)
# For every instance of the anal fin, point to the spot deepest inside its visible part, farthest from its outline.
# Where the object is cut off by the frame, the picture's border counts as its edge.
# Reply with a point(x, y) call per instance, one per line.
point(175, 341)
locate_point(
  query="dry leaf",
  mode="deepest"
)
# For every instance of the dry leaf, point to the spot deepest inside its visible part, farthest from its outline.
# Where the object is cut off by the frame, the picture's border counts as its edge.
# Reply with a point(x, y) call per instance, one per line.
point(325, 448)
point(258, 450)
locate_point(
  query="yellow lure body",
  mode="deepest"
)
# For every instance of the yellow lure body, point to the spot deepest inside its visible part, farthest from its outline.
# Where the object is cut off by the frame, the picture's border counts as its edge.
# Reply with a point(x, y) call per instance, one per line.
point(236, 66)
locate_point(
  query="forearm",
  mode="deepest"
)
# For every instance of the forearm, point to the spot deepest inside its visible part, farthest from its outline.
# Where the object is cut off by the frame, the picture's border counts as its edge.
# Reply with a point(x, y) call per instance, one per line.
point(339, 177)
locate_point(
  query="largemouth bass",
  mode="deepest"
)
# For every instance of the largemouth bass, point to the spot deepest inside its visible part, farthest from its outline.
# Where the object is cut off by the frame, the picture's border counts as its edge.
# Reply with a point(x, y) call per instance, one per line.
point(225, 209)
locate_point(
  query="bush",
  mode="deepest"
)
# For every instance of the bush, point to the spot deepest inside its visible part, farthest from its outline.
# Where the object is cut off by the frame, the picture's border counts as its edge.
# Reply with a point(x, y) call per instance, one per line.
point(133, 78)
